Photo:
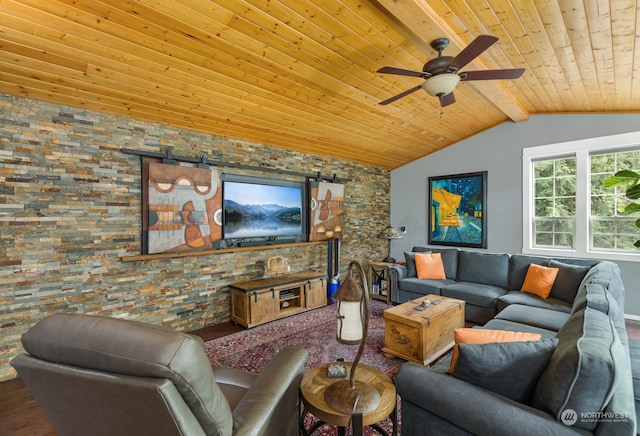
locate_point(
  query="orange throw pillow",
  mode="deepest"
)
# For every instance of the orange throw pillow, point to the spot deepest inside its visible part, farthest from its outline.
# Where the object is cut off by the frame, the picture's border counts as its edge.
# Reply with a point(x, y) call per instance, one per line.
point(429, 266)
point(539, 280)
point(485, 336)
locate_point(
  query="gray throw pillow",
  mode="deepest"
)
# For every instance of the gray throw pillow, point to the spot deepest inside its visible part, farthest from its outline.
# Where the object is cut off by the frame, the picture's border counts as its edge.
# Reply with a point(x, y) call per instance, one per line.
point(510, 369)
point(519, 267)
point(410, 259)
point(568, 280)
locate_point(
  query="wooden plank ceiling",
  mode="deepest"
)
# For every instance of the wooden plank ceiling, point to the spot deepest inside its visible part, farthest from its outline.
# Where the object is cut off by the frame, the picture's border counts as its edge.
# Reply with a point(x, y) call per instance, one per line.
point(301, 74)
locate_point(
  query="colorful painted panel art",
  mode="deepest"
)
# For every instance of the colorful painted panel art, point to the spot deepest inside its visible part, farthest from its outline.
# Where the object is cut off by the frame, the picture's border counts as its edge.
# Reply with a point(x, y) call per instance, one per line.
point(183, 208)
point(327, 209)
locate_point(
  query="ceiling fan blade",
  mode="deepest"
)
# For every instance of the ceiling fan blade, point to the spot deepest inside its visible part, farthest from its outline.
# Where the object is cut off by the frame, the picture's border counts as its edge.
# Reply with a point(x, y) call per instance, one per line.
point(472, 51)
point(513, 73)
point(399, 96)
point(403, 72)
point(446, 100)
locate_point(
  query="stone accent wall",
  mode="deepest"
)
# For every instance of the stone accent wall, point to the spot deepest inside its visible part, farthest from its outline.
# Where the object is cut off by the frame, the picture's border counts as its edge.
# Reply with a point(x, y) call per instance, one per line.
point(70, 211)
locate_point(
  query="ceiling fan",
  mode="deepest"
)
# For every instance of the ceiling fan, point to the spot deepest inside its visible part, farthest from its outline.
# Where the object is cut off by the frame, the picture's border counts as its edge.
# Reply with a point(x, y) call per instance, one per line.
point(441, 73)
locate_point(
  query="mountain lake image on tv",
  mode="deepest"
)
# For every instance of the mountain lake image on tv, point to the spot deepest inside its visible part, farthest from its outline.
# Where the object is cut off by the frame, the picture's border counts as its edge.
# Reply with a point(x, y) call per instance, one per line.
point(262, 209)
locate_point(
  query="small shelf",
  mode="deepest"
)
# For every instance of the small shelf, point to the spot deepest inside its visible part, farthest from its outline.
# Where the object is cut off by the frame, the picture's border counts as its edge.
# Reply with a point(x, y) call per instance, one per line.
point(290, 299)
point(288, 295)
point(139, 257)
point(378, 276)
point(287, 305)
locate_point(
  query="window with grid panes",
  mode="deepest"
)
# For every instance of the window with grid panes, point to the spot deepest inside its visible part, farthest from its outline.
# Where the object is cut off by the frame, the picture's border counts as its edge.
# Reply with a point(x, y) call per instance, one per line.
point(566, 209)
point(554, 199)
point(610, 229)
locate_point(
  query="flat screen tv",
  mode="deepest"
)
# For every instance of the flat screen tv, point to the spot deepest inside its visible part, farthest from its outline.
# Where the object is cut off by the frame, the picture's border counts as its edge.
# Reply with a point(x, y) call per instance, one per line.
point(262, 209)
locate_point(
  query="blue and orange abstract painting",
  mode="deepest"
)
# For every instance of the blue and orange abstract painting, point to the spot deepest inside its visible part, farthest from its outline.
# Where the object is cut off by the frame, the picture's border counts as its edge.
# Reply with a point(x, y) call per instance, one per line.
point(457, 205)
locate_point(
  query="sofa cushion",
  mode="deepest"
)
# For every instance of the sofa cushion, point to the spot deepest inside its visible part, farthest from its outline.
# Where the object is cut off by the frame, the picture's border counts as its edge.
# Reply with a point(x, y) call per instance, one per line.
point(500, 366)
point(580, 302)
point(580, 375)
point(607, 274)
point(518, 267)
point(615, 287)
point(539, 280)
point(568, 280)
point(534, 316)
point(429, 266)
point(473, 293)
point(484, 336)
point(503, 324)
point(484, 268)
point(605, 304)
point(518, 297)
point(422, 286)
point(449, 259)
point(596, 297)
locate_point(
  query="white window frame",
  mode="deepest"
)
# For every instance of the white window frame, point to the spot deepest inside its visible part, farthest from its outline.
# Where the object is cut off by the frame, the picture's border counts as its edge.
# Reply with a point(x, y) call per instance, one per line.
point(582, 150)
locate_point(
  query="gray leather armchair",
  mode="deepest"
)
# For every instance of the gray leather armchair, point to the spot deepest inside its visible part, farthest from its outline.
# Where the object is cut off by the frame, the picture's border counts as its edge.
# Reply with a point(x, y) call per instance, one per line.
point(105, 376)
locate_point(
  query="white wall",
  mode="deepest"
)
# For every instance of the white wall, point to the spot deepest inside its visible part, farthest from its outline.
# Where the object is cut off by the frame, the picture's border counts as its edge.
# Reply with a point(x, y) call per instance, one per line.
point(499, 151)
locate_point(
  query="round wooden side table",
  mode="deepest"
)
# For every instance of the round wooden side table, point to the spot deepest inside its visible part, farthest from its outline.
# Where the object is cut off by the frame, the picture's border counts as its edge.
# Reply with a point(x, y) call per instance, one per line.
point(316, 381)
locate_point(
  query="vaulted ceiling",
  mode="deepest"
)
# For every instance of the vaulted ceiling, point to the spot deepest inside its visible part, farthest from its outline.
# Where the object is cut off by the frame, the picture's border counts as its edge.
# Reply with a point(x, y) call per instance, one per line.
point(301, 74)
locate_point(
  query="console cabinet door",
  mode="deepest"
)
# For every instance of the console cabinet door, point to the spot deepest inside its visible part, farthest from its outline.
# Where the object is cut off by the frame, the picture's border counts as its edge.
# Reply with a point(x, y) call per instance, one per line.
point(316, 293)
point(263, 306)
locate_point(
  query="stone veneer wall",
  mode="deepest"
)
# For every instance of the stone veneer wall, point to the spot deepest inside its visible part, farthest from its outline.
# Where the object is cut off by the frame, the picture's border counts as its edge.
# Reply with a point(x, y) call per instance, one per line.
point(70, 211)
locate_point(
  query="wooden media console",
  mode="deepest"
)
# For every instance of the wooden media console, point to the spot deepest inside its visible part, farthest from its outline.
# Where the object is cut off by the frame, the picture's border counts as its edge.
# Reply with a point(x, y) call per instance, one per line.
point(259, 301)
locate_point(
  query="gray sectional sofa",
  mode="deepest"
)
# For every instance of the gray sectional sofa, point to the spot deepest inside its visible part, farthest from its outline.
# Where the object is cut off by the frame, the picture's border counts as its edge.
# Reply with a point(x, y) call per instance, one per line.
point(576, 380)
point(488, 282)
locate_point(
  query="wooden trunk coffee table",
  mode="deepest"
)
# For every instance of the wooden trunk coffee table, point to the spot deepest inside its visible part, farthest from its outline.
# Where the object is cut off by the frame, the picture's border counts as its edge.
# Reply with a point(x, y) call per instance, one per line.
point(315, 383)
point(422, 336)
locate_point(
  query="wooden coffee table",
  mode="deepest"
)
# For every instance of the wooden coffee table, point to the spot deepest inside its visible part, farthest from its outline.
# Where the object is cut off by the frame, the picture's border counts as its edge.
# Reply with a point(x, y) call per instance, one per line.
point(312, 389)
point(422, 336)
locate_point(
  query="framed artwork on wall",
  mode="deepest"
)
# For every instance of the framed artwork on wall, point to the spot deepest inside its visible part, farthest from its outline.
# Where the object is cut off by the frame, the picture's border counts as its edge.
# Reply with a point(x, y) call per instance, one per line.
point(457, 211)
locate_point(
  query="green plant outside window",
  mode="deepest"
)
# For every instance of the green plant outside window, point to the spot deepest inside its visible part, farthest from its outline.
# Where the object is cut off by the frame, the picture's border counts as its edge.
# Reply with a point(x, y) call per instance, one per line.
point(554, 202)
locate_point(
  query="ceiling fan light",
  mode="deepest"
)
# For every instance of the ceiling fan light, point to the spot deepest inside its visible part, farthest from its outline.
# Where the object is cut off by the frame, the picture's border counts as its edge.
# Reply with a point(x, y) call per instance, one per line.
point(441, 84)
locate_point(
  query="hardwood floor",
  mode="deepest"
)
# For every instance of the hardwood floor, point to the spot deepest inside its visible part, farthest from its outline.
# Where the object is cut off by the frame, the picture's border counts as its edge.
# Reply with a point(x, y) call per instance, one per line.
point(20, 415)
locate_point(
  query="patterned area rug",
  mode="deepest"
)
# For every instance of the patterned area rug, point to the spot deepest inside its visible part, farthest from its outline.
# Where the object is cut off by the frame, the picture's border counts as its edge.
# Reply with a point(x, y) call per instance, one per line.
point(315, 330)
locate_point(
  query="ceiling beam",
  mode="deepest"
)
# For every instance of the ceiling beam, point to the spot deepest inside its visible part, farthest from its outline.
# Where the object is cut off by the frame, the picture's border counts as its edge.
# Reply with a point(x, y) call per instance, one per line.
point(424, 22)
